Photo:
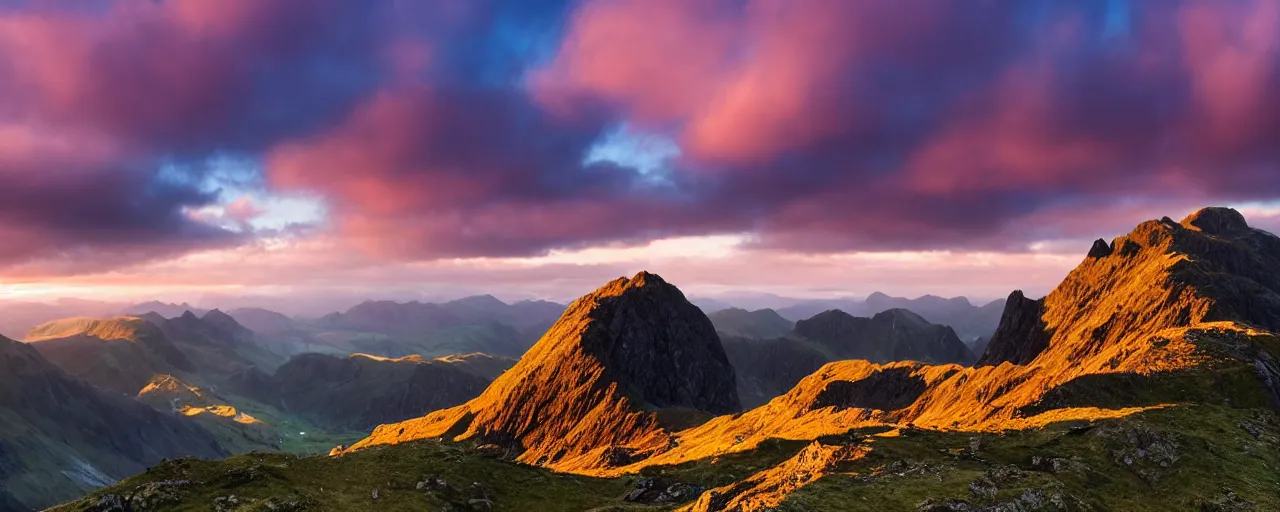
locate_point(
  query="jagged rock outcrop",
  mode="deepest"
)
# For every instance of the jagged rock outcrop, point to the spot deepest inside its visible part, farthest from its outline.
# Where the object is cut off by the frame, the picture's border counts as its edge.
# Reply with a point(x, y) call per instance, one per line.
point(1180, 312)
point(63, 437)
point(591, 393)
point(893, 335)
point(1022, 335)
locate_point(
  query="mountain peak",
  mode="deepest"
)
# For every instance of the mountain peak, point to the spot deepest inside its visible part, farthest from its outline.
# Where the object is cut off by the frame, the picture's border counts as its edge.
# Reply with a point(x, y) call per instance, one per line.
point(592, 392)
point(1217, 221)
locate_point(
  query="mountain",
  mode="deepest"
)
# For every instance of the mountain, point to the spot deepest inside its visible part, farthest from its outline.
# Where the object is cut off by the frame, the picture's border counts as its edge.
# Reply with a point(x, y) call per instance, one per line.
point(598, 388)
point(893, 335)
point(710, 305)
point(759, 324)
point(63, 437)
point(487, 308)
point(1178, 316)
point(1158, 388)
point(18, 317)
point(389, 317)
point(358, 392)
point(969, 321)
point(263, 321)
point(123, 353)
point(768, 368)
point(809, 308)
point(164, 309)
point(218, 344)
point(481, 365)
point(474, 324)
point(120, 354)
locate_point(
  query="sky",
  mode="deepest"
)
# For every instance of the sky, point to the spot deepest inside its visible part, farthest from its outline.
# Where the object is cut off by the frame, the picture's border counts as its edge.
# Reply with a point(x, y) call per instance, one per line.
point(207, 149)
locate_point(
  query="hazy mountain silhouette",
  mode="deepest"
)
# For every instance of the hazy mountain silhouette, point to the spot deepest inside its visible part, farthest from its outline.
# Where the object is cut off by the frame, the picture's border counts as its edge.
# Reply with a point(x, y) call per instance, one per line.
point(759, 324)
point(64, 437)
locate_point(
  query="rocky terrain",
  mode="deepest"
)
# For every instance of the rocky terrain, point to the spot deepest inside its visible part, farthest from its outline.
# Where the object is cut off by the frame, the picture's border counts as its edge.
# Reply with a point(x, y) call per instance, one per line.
point(767, 368)
point(119, 354)
point(1146, 381)
point(893, 335)
point(601, 388)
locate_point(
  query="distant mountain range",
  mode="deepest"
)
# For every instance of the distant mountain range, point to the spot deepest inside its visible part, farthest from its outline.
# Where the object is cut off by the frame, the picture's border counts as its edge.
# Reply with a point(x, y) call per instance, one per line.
point(968, 320)
point(63, 437)
point(771, 354)
point(359, 392)
point(1148, 380)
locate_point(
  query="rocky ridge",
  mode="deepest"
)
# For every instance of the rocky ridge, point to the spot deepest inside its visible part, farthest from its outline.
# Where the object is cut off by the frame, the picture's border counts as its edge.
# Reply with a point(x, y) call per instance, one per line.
point(593, 390)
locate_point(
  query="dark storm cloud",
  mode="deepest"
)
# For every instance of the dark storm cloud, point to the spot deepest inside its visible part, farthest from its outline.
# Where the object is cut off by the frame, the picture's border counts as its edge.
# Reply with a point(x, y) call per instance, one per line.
point(460, 128)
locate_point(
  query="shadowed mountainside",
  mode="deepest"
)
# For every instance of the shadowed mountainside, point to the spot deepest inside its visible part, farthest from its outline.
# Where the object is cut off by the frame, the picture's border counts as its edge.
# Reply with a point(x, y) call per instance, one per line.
point(1191, 303)
point(63, 437)
point(593, 391)
point(893, 335)
point(124, 353)
point(474, 324)
point(768, 368)
point(358, 392)
point(1156, 387)
point(119, 354)
point(969, 321)
point(759, 324)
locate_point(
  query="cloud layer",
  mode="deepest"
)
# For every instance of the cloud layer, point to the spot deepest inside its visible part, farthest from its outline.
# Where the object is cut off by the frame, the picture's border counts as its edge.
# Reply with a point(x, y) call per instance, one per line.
point(451, 128)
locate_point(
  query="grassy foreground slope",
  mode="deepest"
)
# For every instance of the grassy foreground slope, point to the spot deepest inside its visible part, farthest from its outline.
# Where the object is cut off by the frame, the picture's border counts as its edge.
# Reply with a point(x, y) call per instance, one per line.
point(1148, 380)
point(1193, 457)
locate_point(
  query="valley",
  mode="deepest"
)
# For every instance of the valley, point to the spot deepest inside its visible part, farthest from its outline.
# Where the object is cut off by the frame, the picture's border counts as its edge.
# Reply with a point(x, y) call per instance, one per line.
point(1148, 380)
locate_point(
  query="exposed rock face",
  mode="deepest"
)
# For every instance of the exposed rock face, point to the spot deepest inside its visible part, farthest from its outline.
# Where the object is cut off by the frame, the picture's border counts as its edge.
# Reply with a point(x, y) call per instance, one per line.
point(659, 349)
point(1022, 335)
point(63, 437)
point(1177, 313)
point(885, 390)
point(1100, 249)
point(585, 395)
point(1210, 267)
point(894, 335)
point(767, 489)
